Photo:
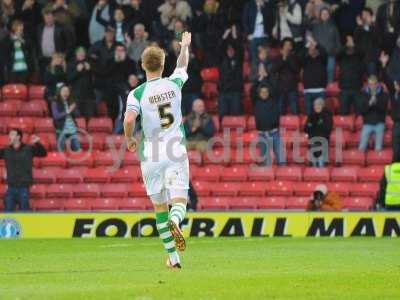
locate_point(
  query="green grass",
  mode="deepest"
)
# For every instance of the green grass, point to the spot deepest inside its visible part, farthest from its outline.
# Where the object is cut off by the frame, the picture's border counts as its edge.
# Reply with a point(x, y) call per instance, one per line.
point(219, 268)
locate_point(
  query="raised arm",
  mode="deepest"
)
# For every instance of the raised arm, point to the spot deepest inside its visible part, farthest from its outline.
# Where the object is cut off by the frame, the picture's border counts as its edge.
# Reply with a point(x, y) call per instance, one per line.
point(183, 58)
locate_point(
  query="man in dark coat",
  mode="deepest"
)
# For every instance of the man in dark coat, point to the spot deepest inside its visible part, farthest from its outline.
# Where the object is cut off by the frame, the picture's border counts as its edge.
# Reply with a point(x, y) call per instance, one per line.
point(388, 24)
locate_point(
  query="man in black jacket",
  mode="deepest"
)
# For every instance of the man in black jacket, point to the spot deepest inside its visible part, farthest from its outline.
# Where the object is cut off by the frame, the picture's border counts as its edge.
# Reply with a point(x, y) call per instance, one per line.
point(231, 83)
point(373, 109)
point(350, 77)
point(388, 24)
point(19, 159)
point(266, 113)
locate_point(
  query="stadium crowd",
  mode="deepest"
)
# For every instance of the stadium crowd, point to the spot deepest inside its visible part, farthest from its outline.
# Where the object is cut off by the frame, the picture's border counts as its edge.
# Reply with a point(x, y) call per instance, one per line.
point(87, 53)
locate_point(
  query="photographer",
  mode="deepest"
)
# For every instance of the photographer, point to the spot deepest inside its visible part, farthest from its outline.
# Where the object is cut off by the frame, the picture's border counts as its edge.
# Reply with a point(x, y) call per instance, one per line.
point(322, 200)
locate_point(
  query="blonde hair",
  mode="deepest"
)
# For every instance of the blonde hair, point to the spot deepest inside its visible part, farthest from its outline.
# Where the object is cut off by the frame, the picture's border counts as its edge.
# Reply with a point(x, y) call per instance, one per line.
point(153, 59)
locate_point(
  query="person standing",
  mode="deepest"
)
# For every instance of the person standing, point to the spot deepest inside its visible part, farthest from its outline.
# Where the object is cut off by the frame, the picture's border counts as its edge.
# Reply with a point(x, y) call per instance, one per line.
point(19, 160)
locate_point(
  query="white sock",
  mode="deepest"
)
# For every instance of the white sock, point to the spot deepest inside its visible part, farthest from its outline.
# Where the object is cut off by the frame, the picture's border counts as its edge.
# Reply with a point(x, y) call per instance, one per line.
point(177, 213)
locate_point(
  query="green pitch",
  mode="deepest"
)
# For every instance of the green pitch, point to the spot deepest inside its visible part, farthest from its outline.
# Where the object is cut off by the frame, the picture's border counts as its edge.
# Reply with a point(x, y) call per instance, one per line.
point(230, 268)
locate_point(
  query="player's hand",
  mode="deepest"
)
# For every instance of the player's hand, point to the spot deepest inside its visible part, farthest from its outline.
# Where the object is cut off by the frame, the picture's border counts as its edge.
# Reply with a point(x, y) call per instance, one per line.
point(131, 144)
point(186, 39)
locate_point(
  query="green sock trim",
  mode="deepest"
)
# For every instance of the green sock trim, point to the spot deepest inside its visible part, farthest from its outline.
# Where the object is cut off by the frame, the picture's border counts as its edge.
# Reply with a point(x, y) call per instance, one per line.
point(162, 217)
point(168, 239)
point(171, 250)
point(163, 230)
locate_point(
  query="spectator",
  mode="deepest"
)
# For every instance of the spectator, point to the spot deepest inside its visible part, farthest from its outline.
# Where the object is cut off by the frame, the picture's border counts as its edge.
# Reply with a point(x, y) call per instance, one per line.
point(327, 36)
point(18, 157)
point(258, 22)
point(97, 30)
point(7, 11)
point(266, 113)
point(322, 200)
point(350, 77)
point(20, 58)
point(4, 38)
point(314, 74)
point(191, 89)
point(64, 111)
point(29, 11)
point(192, 201)
point(388, 24)
point(373, 109)
point(286, 69)
point(346, 15)
point(51, 39)
point(66, 13)
point(173, 10)
point(366, 40)
point(231, 82)
point(55, 75)
point(199, 127)
point(139, 42)
point(313, 10)
point(393, 67)
point(318, 128)
point(388, 195)
point(119, 23)
point(261, 72)
point(289, 22)
point(135, 14)
point(80, 78)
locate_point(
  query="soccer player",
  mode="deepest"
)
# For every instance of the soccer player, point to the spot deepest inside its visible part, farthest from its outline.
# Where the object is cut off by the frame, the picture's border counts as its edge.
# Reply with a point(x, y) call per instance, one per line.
point(163, 156)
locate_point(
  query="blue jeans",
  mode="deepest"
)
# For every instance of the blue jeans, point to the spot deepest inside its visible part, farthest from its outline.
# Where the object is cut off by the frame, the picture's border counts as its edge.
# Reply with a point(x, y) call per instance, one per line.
point(265, 140)
point(309, 99)
point(16, 195)
point(288, 98)
point(75, 143)
point(330, 68)
point(229, 104)
point(254, 44)
point(367, 131)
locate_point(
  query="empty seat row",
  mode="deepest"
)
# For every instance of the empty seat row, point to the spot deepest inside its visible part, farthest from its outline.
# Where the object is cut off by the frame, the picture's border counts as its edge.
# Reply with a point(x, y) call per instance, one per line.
point(22, 92)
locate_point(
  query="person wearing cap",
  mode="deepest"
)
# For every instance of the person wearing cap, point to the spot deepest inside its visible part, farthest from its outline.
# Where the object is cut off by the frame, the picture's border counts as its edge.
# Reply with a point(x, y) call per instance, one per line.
point(389, 192)
point(373, 109)
point(322, 200)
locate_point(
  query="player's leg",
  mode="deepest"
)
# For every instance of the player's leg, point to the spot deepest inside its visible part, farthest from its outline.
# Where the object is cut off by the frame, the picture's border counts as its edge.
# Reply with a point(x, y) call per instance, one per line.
point(162, 222)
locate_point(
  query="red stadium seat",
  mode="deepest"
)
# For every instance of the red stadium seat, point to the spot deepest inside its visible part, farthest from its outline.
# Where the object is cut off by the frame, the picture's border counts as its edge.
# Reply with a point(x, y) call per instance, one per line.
point(209, 173)
point(280, 188)
point(344, 122)
point(36, 92)
point(78, 204)
point(209, 90)
point(79, 159)
point(242, 203)
point(339, 138)
point(316, 174)
point(95, 141)
point(297, 203)
point(354, 157)
point(44, 125)
point(344, 174)
point(4, 141)
point(251, 123)
point(10, 108)
point(60, 190)
point(134, 204)
point(137, 190)
point(106, 158)
point(213, 203)
point(3, 175)
point(15, 91)
point(49, 140)
point(202, 188)
point(389, 122)
point(2, 191)
point(114, 141)
point(246, 70)
point(234, 173)
point(271, 202)
point(332, 89)
point(194, 157)
point(250, 138)
point(341, 188)
point(366, 189)
point(290, 122)
point(105, 204)
point(101, 109)
point(210, 74)
point(359, 123)
point(96, 175)
point(290, 173)
point(37, 191)
point(43, 176)
point(126, 175)
point(100, 125)
point(252, 189)
point(304, 188)
point(229, 189)
point(88, 190)
point(215, 120)
point(81, 123)
point(54, 159)
point(35, 108)
point(383, 157)
point(24, 123)
point(261, 174)
point(130, 159)
point(371, 174)
point(234, 122)
point(357, 203)
point(115, 190)
point(46, 204)
point(69, 176)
